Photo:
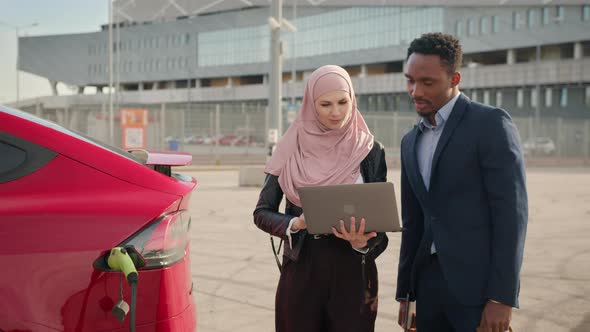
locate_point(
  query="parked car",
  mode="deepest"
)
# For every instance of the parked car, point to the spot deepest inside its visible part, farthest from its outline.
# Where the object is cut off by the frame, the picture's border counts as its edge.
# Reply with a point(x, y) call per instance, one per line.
point(539, 146)
point(245, 140)
point(228, 140)
point(66, 200)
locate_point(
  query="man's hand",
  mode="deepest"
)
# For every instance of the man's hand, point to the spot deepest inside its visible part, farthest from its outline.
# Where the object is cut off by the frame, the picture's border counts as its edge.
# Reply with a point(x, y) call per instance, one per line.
point(299, 224)
point(401, 318)
point(358, 240)
point(495, 317)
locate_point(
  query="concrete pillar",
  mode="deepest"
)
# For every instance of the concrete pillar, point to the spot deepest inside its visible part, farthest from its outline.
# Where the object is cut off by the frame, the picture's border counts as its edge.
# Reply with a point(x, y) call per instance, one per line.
point(396, 143)
point(104, 132)
point(197, 83)
point(38, 110)
point(578, 50)
point(251, 176)
point(586, 144)
point(53, 85)
point(531, 129)
point(60, 117)
point(211, 129)
point(559, 136)
point(511, 56)
point(66, 121)
point(81, 90)
point(140, 86)
point(217, 133)
point(363, 72)
point(375, 121)
point(230, 82)
point(162, 126)
point(73, 120)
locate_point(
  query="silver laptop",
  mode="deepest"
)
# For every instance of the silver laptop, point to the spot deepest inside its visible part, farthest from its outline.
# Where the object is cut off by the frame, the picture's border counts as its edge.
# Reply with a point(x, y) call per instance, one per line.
point(325, 206)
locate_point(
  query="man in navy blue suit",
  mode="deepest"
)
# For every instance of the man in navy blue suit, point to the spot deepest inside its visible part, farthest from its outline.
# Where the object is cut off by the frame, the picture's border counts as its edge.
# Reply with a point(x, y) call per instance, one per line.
point(464, 200)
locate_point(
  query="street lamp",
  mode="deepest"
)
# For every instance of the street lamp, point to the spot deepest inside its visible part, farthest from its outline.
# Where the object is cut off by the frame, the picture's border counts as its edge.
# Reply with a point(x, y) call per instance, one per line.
point(17, 29)
point(276, 23)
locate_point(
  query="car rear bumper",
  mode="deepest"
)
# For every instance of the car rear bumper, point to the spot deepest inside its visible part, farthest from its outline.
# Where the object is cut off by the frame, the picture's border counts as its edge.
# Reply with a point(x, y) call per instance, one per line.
point(165, 301)
point(185, 322)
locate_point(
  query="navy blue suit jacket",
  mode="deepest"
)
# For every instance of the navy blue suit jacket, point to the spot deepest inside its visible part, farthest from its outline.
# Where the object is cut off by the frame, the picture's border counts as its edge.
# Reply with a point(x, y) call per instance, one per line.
point(475, 209)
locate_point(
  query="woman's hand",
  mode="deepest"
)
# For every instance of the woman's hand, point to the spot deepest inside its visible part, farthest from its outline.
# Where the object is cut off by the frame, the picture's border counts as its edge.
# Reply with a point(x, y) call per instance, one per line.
point(358, 239)
point(299, 224)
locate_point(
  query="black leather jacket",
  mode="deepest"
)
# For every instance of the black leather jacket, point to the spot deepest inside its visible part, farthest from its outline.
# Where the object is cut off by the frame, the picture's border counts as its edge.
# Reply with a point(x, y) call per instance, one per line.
point(268, 218)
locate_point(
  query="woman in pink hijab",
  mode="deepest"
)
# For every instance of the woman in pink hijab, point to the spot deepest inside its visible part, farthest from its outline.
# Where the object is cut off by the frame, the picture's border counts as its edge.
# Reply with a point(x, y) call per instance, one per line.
point(329, 282)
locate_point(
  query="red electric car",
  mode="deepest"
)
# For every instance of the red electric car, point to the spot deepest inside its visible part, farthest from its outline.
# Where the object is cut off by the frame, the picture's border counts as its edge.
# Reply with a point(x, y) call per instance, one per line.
point(65, 202)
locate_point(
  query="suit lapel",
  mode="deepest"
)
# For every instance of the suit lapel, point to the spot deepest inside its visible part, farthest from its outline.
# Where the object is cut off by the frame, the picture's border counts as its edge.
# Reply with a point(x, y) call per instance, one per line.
point(452, 122)
point(413, 170)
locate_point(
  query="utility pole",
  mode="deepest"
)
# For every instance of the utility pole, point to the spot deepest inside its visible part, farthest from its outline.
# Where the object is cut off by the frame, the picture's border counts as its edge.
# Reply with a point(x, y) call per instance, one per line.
point(276, 73)
point(111, 112)
point(274, 110)
point(537, 92)
point(293, 58)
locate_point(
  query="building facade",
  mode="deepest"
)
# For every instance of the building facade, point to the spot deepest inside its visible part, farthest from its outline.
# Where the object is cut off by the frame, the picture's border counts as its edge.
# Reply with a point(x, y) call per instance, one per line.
point(183, 65)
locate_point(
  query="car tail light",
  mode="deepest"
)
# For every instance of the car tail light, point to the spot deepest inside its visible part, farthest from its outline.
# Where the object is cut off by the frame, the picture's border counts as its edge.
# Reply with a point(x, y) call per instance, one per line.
point(163, 242)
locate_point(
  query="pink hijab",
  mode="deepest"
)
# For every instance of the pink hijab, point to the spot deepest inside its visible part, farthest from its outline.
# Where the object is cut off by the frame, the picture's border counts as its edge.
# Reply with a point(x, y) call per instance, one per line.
point(310, 154)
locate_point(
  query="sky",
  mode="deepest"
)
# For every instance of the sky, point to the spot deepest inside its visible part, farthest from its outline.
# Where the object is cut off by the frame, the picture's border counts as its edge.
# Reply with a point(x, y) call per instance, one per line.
point(52, 17)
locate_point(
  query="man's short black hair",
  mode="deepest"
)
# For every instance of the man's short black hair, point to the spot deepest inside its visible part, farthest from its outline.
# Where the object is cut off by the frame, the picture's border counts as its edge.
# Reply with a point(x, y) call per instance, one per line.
point(445, 46)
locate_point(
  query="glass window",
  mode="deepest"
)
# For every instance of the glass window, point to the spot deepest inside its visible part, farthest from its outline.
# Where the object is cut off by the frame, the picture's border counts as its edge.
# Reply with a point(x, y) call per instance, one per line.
point(12, 157)
point(563, 97)
point(495, 24)
point(520, 98)
point(546, 15)
point(559, 13)
point(498, 98)
point(459, 28)
point(470, 26)
point(531, 18)
point(534, 97)
point(315, 34)
point(20, 157)
point(484, 25)
point(586, 13)
point(548, 97)
point(516, 21)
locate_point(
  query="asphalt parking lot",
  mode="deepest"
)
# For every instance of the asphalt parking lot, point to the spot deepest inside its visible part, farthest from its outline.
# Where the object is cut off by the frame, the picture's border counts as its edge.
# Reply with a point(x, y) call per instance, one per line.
point(235, 274)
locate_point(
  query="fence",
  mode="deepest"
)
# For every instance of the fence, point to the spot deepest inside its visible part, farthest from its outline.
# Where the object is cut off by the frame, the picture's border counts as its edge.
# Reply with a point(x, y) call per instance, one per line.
point(239, 128)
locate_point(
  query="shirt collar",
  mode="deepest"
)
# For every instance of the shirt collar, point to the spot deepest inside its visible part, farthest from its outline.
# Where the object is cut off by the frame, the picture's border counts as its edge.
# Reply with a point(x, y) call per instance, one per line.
point(441, 116)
